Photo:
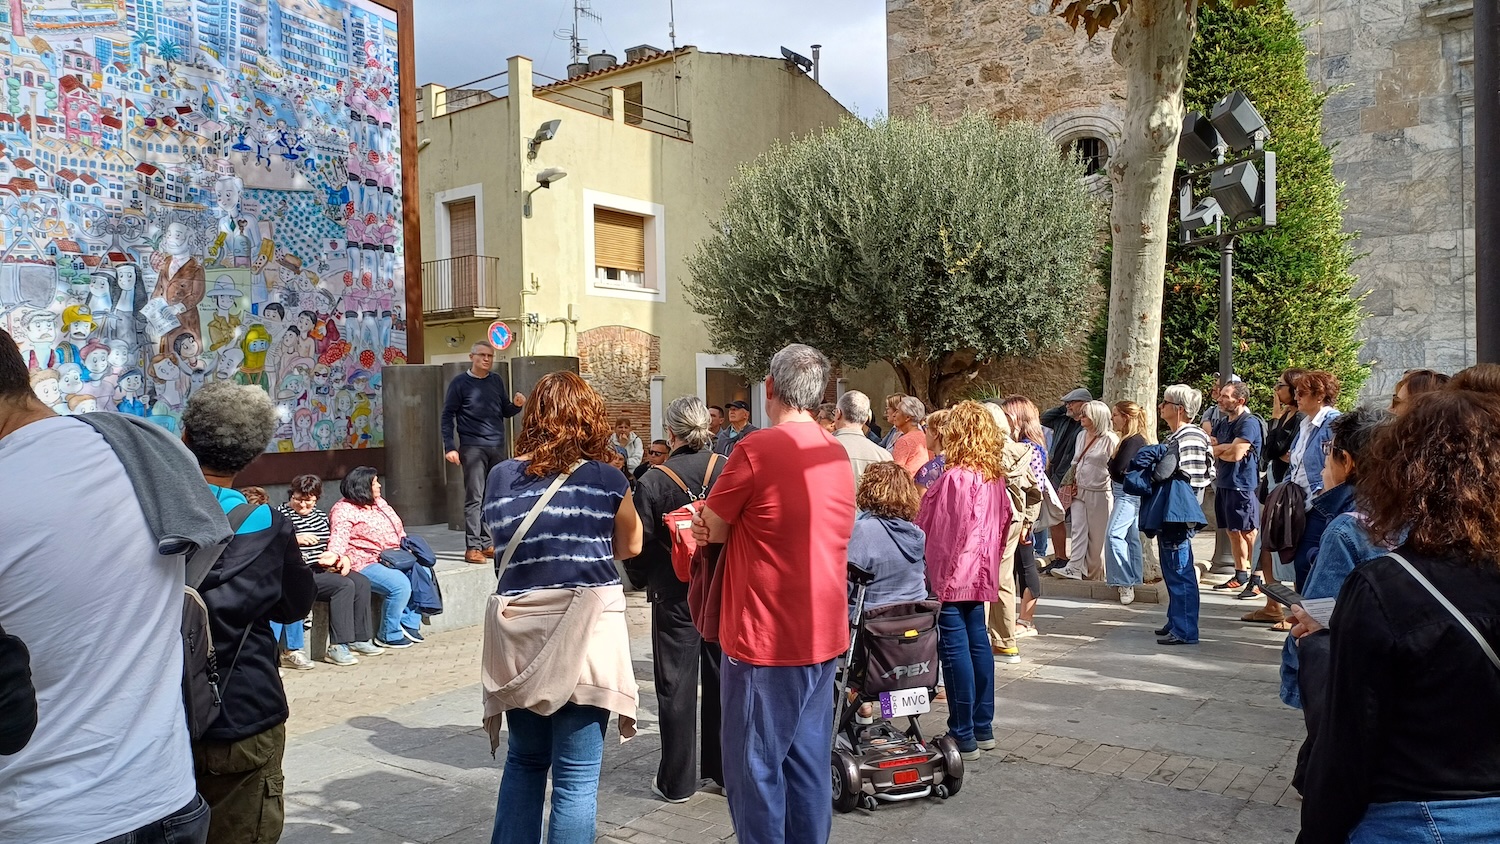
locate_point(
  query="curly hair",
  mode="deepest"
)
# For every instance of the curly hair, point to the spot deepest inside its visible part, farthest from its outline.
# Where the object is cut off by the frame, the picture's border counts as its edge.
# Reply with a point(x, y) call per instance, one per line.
point(1319, 383)
point(887, 491)
point(1481, 378)
point(564, 422)
point(1436, 472)
point(228, 425)
point(971, 440)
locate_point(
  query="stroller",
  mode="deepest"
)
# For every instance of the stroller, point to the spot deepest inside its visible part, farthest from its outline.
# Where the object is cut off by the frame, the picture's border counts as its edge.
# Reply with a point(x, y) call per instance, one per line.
point(892, 665)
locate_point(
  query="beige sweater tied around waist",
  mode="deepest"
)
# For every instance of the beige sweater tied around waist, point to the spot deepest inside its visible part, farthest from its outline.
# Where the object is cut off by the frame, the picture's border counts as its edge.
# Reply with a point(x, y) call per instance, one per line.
point(549, 647)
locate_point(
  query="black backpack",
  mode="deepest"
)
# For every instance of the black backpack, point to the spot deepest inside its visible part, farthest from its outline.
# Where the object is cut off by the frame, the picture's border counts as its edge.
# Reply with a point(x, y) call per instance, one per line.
point(202, 687)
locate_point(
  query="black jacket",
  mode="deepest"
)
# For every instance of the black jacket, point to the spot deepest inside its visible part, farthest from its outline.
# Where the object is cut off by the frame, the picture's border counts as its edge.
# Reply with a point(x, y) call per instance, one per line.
point(1280, 433)
point(17, 695)
point(260, 579)
point(1064, 440)
point(655, 496)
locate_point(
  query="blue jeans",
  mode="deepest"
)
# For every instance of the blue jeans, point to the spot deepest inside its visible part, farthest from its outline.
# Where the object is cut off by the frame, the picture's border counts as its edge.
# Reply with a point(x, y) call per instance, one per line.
point(1122, 558)
point(775, 735)
point(395, 587)
point(1175, 546)
point(968, 672)
point(291, 637)
point(1039, 542)
point(188, 825)
point(570, 742)
point(1437, 822)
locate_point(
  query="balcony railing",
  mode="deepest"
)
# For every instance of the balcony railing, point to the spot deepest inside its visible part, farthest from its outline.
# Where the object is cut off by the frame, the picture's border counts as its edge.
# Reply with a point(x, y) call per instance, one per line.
point(466, 282)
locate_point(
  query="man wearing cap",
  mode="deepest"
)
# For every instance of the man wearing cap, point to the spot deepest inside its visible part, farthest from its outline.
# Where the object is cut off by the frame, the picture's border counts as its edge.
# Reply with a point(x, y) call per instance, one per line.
point(223, 329)
point(475, 409)
point(1063, 421)
point(736, 429)
point(78, 326)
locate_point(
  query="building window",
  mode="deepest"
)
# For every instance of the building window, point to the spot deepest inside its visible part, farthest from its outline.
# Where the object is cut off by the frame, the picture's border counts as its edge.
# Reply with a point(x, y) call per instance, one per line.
point(1092, 151)
point(633, 100)
point(619, 249)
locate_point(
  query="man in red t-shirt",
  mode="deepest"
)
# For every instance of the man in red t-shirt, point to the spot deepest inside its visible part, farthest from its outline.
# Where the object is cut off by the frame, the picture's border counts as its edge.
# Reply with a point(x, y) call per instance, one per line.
point(784, 509)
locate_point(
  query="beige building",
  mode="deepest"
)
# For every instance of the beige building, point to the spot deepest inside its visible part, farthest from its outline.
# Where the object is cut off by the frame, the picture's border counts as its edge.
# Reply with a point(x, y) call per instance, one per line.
point(637, 158)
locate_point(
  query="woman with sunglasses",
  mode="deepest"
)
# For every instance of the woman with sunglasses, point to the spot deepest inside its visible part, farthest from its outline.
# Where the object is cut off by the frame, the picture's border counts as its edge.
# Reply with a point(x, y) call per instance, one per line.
point(1316, 393)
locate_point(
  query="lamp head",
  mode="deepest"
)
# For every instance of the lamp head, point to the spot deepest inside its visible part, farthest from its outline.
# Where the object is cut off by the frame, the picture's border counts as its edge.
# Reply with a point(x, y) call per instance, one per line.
point(550, 175)
point(1203, 215)
point(1237, 121)
point(547, 131)
point(1199, 142)
point(1237, 188)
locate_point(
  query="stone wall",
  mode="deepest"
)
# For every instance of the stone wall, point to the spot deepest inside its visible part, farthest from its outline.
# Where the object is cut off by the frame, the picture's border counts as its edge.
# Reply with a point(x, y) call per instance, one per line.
point(1400, 115)
point(619, 361)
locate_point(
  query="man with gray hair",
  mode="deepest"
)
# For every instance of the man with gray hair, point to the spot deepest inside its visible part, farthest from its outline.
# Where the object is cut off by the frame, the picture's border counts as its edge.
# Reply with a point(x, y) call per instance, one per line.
point(475, 408)
point(848, 429)
point(783, 511)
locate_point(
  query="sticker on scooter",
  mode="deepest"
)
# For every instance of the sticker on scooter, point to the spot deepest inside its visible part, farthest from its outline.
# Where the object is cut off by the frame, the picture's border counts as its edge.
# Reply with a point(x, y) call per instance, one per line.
point(904, 702)
point(916, 670)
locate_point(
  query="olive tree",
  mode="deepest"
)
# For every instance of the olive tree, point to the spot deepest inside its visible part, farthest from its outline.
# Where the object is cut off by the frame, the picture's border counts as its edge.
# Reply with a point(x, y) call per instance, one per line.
point(932, 248)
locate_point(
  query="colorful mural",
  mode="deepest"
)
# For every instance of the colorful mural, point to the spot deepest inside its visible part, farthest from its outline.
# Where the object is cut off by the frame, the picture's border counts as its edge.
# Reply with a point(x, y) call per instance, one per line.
point(201, 190)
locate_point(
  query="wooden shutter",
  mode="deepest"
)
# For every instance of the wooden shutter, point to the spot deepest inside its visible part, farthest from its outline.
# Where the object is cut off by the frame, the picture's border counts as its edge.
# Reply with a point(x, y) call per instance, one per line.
point(619, 240)
point(633, 104)
point(463, 234)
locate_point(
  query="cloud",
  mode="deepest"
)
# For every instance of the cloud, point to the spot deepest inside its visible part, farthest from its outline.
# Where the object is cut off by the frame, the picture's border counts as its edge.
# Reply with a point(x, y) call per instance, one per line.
point(461, 41)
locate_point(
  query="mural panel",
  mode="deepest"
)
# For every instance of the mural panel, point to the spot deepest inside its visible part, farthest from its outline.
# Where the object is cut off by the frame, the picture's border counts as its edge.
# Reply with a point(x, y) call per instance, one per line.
point(201, 190)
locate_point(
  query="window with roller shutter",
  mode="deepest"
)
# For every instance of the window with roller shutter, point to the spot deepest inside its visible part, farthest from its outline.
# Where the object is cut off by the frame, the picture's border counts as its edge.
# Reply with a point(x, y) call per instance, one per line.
point(619, 248)
point(463, 245)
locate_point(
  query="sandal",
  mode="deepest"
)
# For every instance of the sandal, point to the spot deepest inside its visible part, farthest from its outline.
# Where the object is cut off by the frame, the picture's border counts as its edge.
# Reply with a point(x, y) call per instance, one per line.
point(1282, 626)
point(1262, 616)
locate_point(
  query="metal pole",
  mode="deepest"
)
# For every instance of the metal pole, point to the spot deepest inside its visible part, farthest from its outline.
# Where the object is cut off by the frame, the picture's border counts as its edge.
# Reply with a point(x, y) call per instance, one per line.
point(1226, 307)
point(1486, 182)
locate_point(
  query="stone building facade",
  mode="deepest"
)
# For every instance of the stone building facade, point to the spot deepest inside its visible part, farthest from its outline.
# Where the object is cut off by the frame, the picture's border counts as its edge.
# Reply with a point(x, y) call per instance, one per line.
point(1400, 115)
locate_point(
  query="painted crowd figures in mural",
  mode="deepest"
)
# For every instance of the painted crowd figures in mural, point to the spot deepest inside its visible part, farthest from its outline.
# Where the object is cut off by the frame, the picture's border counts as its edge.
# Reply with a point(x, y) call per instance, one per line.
point(195, 192)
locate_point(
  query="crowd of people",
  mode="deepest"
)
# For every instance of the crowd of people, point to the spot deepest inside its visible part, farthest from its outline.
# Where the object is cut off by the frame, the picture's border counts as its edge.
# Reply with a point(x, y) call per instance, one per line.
point(741, 538)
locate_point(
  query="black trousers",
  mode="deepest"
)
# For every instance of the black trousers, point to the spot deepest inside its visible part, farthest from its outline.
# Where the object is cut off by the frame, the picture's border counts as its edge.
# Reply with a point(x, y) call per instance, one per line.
point(681, 659)
point(348, 598)
point(1027, 577)
point(477, 461)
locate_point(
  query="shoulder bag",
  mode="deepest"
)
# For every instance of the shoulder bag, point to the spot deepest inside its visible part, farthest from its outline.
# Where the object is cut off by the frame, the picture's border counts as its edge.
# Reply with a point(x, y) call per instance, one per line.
point(398, 558)
point(202, 688)
point(1448, 605)
point(679, 522)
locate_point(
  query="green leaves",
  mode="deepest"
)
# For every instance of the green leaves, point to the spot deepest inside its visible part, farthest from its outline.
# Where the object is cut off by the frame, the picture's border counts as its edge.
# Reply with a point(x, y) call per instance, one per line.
point(900, 240)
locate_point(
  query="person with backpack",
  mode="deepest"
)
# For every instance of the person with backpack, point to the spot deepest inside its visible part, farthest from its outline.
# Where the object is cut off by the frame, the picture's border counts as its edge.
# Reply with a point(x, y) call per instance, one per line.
point(101, 747)
point(681, 656)
point(259, 579)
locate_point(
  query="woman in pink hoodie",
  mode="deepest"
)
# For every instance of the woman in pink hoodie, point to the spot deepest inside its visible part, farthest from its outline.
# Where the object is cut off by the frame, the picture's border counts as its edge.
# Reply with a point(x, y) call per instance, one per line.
point(962, 514)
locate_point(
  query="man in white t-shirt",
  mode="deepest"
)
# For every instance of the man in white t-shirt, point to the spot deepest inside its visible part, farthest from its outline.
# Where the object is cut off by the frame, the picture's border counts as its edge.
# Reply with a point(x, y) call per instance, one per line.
point(110, 754)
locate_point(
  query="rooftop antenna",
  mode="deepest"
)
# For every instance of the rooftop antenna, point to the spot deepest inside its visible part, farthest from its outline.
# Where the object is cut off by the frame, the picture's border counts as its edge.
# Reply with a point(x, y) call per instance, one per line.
point(578, 47)
point(672, 22)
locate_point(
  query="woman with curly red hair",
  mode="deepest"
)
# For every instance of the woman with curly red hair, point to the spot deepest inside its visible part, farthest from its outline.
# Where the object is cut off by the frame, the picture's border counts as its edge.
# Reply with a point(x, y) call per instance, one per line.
point(559, 517)
point(1409, 747)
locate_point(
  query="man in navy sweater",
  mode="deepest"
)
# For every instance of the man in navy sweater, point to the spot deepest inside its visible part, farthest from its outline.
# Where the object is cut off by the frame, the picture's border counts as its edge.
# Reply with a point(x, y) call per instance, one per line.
point(476, 408)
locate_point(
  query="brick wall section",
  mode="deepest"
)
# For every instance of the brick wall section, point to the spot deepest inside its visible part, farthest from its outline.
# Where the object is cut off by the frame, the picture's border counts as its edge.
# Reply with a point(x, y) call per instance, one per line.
point(619, 362)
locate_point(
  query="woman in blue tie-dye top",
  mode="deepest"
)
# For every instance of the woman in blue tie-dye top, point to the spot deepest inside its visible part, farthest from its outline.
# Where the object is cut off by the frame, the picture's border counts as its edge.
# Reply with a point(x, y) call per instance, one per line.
point(564, 562)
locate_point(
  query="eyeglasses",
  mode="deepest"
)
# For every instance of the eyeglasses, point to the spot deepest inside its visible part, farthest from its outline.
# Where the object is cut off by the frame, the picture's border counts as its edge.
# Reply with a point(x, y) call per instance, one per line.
point(655, 453)
point(302, 498)
point(1284, 386)
point(1178, 403)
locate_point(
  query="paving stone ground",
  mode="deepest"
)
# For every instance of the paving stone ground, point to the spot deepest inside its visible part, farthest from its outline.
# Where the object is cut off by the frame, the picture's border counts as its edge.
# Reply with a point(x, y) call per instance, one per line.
point(1104, 736)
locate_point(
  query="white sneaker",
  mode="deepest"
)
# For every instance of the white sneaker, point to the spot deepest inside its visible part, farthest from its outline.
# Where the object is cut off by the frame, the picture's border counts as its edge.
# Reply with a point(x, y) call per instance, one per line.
point(1067, 573)
point(1127, 595)
point(296, 660)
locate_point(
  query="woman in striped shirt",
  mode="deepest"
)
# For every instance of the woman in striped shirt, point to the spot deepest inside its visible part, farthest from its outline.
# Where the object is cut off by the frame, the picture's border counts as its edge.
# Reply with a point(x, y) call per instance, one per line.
point(347, 592)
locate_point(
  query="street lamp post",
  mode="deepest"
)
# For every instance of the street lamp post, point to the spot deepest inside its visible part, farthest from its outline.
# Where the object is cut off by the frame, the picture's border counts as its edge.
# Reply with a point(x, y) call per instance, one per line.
point(1242, 197)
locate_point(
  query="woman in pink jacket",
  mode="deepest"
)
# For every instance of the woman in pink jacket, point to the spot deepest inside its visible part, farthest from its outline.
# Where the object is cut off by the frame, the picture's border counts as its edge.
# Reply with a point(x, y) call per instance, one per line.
point(962, 514)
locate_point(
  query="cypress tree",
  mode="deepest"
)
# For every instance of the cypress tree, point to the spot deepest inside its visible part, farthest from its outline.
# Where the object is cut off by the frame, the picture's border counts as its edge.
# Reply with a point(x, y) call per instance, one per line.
point(1292, 284)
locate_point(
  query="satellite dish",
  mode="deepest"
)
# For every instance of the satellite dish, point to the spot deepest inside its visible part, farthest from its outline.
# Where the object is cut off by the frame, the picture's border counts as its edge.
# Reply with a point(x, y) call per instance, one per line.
point(801, 61)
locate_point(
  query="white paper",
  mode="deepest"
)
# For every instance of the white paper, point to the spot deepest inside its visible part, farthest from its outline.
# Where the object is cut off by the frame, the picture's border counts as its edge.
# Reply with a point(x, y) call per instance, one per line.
point(1321, 609)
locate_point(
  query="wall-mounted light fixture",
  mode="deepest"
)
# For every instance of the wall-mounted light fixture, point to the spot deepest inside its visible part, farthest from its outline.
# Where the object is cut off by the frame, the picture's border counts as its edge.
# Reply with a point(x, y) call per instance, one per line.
point(544, 179)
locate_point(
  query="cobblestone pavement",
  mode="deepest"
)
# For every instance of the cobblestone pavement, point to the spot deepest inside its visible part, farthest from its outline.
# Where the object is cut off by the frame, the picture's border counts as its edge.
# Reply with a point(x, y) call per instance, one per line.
point(1103, 736)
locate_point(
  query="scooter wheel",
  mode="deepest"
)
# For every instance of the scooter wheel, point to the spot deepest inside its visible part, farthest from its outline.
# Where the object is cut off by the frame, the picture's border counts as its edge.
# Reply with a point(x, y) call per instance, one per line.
point(941, 791)
point(847, 785)
point(953, 764)
point(868, 803)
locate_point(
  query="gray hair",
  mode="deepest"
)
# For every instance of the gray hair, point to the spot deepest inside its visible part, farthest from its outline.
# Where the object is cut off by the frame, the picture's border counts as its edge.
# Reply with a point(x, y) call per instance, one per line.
point(1098, 413)
point(228, 425)
point(913, 407)
point(481, 344)
point(855, 406)
point(799, 374)
point(687, 420)
point(1188, 398)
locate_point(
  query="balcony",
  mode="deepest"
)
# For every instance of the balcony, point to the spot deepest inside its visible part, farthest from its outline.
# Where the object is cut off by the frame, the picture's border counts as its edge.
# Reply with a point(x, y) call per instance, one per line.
point(461, 288)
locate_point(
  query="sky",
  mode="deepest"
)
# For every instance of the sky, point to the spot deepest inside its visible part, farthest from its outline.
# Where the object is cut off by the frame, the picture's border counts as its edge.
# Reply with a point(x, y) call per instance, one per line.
point(452, 49)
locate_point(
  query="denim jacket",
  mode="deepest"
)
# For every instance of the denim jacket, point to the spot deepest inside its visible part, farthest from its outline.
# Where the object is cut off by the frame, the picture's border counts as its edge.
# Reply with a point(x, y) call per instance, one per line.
point(1313, 457)
point(1344, 546)
point(1321, 511)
